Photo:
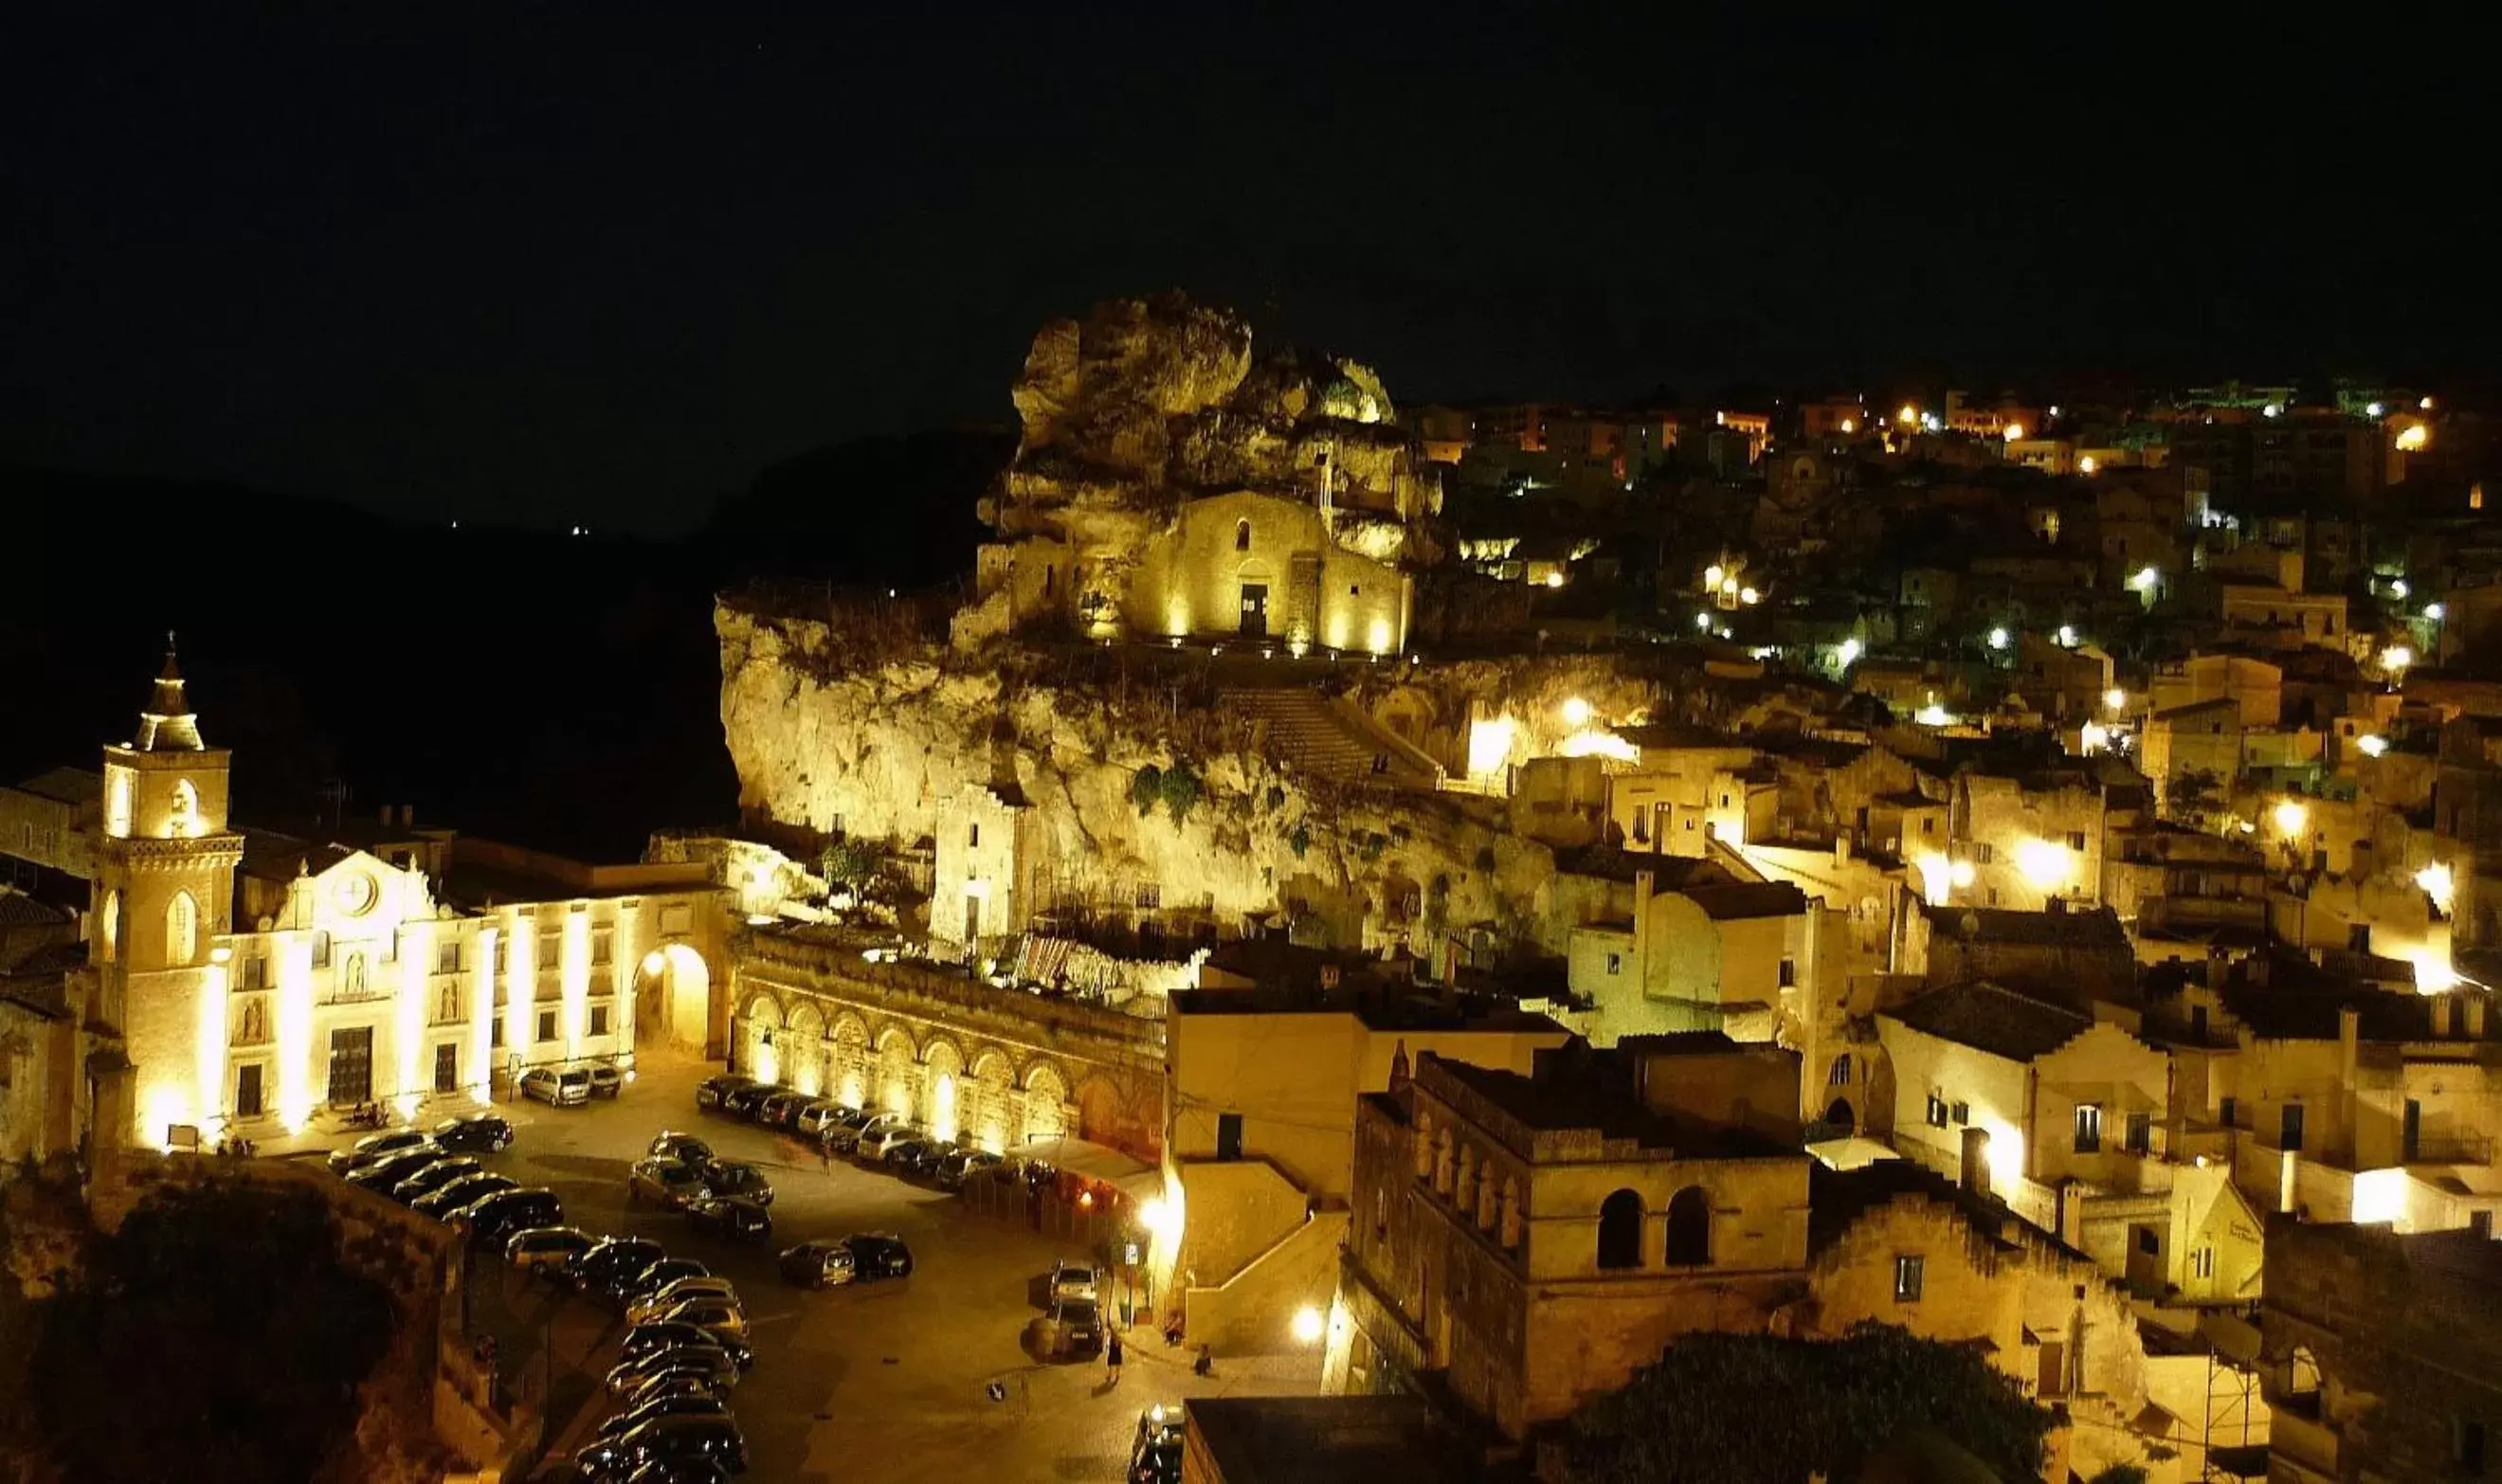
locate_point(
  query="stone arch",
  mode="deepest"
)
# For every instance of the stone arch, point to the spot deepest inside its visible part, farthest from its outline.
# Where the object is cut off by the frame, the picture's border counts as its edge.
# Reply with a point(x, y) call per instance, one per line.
point(803, 1052)
point(183, 810)
point(848, 1063)
point(111, 914)
point(942, 1096)
point(1620, 1231)
point(183, 930)
point(1840, 1117)
point(755, 1035)
point(898, 1058)
point(672, 995)
point(1102, 1114)
point(1689, 1228)
point(989, 1101)
point(1045, 1104)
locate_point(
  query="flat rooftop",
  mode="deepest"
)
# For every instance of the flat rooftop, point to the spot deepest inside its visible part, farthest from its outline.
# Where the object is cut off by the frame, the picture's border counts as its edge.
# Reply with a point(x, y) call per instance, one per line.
point(1326, 1440)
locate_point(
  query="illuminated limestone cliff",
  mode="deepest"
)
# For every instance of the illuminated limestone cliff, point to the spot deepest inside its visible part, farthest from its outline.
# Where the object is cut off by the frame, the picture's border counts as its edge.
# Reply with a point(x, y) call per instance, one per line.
point(1172, 482)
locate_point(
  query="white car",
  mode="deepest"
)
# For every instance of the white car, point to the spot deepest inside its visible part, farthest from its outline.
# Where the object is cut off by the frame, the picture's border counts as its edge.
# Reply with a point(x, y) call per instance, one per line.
point(657, 1304)
point(1072, 1279)
point(874, 1144)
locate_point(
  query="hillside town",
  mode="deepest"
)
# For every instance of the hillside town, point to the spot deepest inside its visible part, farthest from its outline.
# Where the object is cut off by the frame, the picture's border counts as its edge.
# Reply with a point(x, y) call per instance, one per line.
point(1432, 910)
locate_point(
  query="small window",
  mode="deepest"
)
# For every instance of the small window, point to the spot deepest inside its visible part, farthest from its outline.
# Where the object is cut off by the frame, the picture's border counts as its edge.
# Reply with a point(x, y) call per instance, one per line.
point(547, 1025)
point(2202, 1262)
point(495, 1031)
point(2077, 841)
point(1937, 1111)
point(603, 945)
point(1983, 853)
point(1929, 825)
point(1909, 1272)
point(2289, 1127)
point(2089, 1127)
point(2358, 938)
point(2147, 1242)
point(320, 950)
point(598, 1019)
point(1961, 1113)
point(2467, 1446)
point(447, 957)
point(1243, 535)
point(550, 945)
point(2226, 1110)
point(2141, 1134)
point(1151, 895)
point(255, 973)
point(1839, 1076)
point(1228, 1135)
point(972, 837)
point(1789, 973)
point(1616, 963)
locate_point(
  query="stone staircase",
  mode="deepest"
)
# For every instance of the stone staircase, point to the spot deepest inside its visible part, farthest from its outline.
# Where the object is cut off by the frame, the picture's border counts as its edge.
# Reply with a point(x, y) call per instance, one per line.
point(1328, 737)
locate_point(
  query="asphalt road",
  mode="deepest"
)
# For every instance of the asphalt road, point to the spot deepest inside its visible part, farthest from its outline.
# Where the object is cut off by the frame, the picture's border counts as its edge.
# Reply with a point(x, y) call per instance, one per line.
point(882, 1380)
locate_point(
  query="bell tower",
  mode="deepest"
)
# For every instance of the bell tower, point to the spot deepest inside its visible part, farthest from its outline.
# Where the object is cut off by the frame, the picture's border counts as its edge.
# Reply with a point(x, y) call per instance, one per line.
point(164, 888)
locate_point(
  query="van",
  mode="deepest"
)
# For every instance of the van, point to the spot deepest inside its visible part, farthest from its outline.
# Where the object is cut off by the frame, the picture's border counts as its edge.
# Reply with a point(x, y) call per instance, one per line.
point(568, 1088)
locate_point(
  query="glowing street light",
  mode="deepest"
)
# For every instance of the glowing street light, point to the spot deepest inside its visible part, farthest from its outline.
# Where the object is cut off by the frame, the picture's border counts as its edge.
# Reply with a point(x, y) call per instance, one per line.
point(2115, 698)
point(2374, 409)
point(2088, 464)
point(1555, 578)
point(2397, 656)
point(1712, 576)
point(1576, 712)
point(2292, 817)
point(2415, 439)
point(2398, 588)
point(2372, 744)
point(2436, 612)
point(1309, 1326)
point(1749, 596)
point(1848, 653)
point(1909, 414)
point(1998, 638)
point(2014, 432)
point(1850, 424)
point(1702, 621)
point(1932, 715)
point(2067, 636)
point(2145, 579)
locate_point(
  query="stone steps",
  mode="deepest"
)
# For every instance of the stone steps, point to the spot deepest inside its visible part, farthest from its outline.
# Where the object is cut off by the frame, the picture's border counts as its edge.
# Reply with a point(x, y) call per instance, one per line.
point(1326, 738)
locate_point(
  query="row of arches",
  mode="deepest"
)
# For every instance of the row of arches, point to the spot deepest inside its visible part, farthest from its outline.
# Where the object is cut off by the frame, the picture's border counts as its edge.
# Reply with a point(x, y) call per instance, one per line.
point(1623, 1222)
point(181, 929)
point(989, 1101)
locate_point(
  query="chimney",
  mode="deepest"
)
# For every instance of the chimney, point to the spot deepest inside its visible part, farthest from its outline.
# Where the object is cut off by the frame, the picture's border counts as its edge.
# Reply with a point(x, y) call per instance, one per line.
point(2441, 1016)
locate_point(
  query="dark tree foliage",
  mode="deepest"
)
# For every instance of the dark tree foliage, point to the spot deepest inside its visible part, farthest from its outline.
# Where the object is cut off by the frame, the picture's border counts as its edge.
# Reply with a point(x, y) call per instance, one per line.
point(213, 1337)
point(1753, 1409)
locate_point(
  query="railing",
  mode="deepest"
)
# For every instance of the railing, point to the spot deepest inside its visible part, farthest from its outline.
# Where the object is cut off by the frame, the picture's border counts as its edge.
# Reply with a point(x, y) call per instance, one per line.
point(844, 963)
point(2454, 1149)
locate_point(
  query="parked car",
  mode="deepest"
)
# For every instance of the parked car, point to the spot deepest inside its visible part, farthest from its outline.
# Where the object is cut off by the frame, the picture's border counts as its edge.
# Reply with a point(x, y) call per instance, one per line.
point(659, 1275)
point(814, 1118)
point(965, 1164)
point(464, 1192)
point(879, 1254)
point(842, 1136)
point(475, 1133)
point(1072, 1279)
point(613, 1260)
point(434, 1177)
point(669, 1144)
point(543, 1251)
point(493, 1221)
point(373, 1146)
point(1079, 1325)
point(661, 1335)
point(720, 1317)
point(815, 1264)
point(567, 1087)
point(709, 1365)
point(781, 1110)
point(1154, 1456)
point(607, 1081)
point(746, 1101)
point(654, 1304)
point(732, 1177)
point(684, 1404)
point(381, 1175)
point(691, 1470)
point(876, 1143)
point(668, 1183)
point(710, 1092)
point(736, 1220)
point(714, 1440)
point(689, 1384)
point(905, 1158)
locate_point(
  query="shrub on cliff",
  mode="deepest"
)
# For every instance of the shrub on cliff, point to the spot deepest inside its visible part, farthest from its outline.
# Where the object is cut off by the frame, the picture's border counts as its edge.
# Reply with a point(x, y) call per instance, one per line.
point(1182, 789)
point(1146, 789)
point(214, 1337)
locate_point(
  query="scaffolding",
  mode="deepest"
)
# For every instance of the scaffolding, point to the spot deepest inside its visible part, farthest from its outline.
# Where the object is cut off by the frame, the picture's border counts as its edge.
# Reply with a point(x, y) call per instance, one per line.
point(2233, 1443)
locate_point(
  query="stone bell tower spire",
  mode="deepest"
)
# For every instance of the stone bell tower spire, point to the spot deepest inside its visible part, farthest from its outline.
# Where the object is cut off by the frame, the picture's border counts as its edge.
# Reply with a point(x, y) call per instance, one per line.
point(167, 725)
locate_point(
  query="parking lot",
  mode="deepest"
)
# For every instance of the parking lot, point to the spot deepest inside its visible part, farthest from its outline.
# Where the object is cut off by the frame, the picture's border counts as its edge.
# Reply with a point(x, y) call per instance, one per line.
point(888, 1379)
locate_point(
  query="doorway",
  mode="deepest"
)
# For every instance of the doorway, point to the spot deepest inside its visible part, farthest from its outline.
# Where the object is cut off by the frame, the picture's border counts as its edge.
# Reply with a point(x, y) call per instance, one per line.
point(1255, 610)
point(248, 1091)
point(351, 1066)
point(447, 1067)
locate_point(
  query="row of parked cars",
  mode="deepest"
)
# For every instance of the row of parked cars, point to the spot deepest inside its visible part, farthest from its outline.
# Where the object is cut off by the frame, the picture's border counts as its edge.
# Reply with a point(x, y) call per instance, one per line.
point(437, 1172)
point(889, 1140)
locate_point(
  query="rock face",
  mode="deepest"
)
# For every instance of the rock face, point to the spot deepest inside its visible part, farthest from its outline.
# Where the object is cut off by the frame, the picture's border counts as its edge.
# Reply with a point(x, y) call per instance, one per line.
point(826, 740)
point(1146, 406)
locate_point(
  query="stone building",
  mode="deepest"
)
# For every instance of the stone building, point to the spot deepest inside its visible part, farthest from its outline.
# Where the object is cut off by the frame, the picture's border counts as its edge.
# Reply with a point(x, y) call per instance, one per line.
point(1261, 1087)
point(1701, 956)
point(2070, 955)
point(45, 1041)
point(243, 979)
point(985, 885)
point(51, 821)
point(2383, 1358)
point(1528, 1242)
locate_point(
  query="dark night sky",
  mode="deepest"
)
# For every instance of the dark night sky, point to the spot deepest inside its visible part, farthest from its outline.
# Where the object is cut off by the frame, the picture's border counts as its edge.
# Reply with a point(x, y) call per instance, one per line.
point(603, 260)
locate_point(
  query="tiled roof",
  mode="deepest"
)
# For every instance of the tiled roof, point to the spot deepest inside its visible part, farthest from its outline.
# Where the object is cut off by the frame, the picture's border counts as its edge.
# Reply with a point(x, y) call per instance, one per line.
point(1994, 1019)
point(67, 785)
point(1748, 898)
point(2072, 928)
point(1837, 1199)
point(269, 855)
point(1669, 874)
point(2281, 1013)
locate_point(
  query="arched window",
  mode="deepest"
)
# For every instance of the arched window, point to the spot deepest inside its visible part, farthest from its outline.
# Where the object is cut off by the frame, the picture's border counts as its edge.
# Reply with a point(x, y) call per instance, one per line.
point(1689, 1228)
point(1839, 1076)
point(1243, 535)
point(183, 815)
point(109, 925)
point(1620, 1231)
point(181, 929)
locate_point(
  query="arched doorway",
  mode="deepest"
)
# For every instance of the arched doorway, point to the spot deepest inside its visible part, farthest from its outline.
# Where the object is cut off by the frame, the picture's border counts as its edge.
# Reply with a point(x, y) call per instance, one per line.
point(941, 1075)
point(673, 997)
point(1837, 1115)
point(1044, 1097)
point(1620, 1231)
point(985, 1118)
point(847, 1074)
point(803, 1051)
point(1689, 1228)
point(758, 1038)
point(895, 1063)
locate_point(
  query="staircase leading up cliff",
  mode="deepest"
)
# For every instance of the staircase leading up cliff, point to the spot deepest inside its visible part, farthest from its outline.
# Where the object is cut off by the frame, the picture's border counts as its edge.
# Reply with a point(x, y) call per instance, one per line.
point(1331, 738)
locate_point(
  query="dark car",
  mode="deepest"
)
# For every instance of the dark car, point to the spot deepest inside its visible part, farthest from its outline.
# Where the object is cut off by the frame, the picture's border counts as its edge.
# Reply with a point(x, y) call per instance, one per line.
point(434, 1177)
point(781, 1110)
point(879, 1254)
point(475, 1133)
point(680, 1470)
point(686, 1383)
point(842, 1136)
point(737, 1180)
point(1155, 1457)
point(1079, 1323)
point(747, 1102)
point(921, 1159)
point(685, 1405)
point(381, 1175)
point(736, 1220)
point(465, 1191)
point(669, 1144)
point(673, 1439)
point(965, 1164)
point(659, 1275)
point(617, 1259)
point(491, 1222)
point(711, 1092)
point(661, 1334)
point(373, 1146)
point(815, 1264)
point(707, 1363)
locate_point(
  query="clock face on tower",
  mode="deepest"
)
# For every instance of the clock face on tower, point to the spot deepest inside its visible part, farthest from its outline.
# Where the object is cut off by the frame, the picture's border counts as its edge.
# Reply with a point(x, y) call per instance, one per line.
point(355, 894)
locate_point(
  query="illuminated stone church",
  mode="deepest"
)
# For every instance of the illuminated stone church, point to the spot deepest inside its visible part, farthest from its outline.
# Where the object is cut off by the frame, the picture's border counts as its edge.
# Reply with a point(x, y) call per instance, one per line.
point(258, 977)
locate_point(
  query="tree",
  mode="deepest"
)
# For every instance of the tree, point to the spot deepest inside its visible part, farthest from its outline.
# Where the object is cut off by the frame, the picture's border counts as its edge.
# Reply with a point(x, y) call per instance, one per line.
point(1146, 789)
point(214, 1337)
point(2195, 797)
point(1699, 1414)
point(849, 864)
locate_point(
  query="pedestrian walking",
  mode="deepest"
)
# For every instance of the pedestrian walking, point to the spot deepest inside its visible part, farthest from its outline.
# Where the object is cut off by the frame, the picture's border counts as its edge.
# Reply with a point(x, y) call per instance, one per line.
point(1112, 1358)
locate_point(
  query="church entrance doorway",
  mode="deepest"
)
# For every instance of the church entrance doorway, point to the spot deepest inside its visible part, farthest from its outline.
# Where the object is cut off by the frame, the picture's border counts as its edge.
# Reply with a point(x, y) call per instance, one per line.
point(351, 1066)
point(1255, 610)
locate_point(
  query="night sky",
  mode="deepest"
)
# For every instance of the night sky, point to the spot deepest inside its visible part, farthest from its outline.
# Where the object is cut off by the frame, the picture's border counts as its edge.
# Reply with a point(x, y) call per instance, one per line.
point(603, 261)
